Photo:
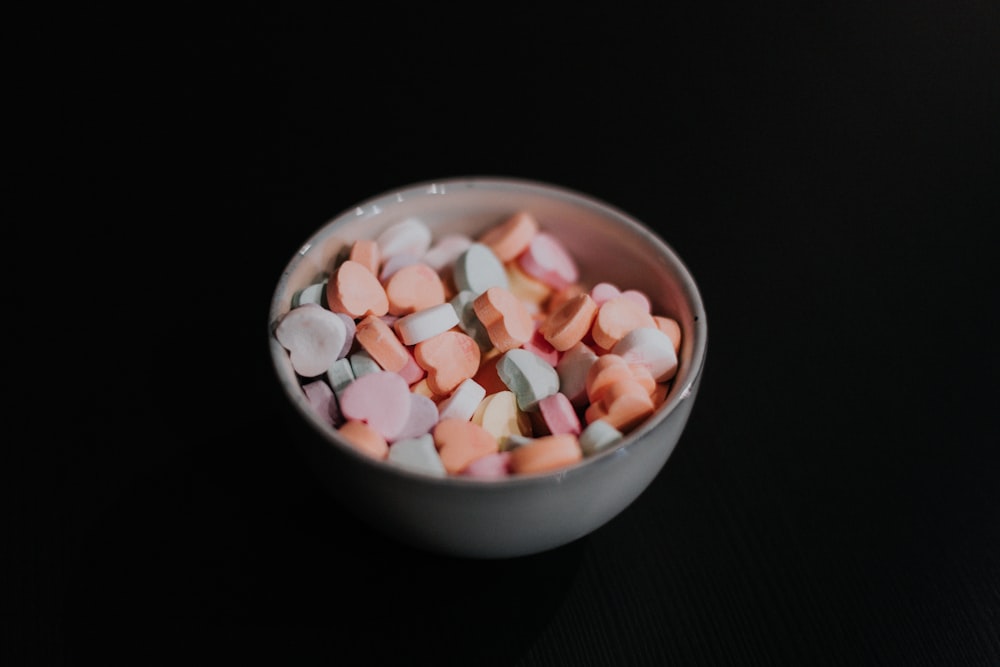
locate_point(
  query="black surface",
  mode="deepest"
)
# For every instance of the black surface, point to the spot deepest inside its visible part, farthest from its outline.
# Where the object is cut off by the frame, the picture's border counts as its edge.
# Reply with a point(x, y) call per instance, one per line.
point(829, 172)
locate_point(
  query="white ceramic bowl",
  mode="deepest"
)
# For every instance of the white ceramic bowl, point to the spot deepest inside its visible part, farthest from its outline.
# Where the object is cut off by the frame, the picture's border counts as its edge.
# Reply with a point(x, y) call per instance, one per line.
point(524, 514)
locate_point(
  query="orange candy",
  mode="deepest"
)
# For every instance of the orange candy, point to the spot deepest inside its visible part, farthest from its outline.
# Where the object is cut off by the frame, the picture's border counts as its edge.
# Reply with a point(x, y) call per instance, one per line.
point(354, 290)
point(507, 320)
point(380, 341)
point(549, 452)
point(449, 358)
point(567, 326)
point(511, 237)
point(364, 438)
point(460, 442)
point(615, 318)
point(412, 288)
point(367, 253)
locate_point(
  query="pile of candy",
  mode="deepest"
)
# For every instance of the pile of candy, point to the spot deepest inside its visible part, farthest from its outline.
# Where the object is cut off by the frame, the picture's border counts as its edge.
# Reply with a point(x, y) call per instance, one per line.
point(481, 357)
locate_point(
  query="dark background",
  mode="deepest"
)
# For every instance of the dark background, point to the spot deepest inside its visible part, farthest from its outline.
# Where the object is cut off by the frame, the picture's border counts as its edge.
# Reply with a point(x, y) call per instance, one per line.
point(828, 171)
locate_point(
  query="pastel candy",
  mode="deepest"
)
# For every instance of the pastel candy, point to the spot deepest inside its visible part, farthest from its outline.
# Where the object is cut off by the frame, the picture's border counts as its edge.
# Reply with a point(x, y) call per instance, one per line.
point(526, 288)
point(417, 454)
point(363, 364)
point(491, 466)
point(423, 414)
point(542, 347)
point(548, 260)
point(464, 306)
point(514, 441)
point(598, 436)
point(313, 336)
point(572, 368)
point(462, 403)
point(414, 287)
point(366, 253)
point(671, 327)
point(511, 237)
point(427, 323)
point(615, 318)
point(505, 317)
point(604, 291)
point(339, 375)
point(528, 376)
point(364, 438)
point(381, 400)
point(568, 325)
point(559, 414)
point(500, 415)
point(446, 250)
point(410, 236)
point(477, 269)
point(639, 298)
point(651, 348)
point(314, 293)
point(355, 290)
point(351, 327)
point(394, 264)
point(379, 340)
point(412, 372)
point(449, 358)
point(547, 453)
point(322, 400)
point(460, 442)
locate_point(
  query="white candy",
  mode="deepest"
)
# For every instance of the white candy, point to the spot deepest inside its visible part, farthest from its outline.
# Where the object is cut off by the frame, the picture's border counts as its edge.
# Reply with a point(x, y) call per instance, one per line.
point(468, 321)
point(478, 269)
point(598, 436)
point(529, 376)
point(572, 368)
point(340, 375)
point(463, 401)
point(650, 347)
point(314, 293)
point(362, 364)
point(411, 236)
point(313, 336)
point(418, 454)
point(426, 323)
point(447, 249)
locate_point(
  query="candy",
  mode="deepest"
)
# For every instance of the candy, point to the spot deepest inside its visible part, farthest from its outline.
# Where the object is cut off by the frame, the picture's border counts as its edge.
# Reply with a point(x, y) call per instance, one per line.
point(449, 359)
point(478, 269)
point(379, 341)
point(547, 453)
point(410, 236)
point(615, 318)
point(570, 323)
point(462, 402)
point(547, 260)
point(380, 400)
point(313, 336)
point(511, 237)
point(650, 347)
point(355, 290)
point(598, 436)
point(427, 323)
point(482, 358)
point(364, 438)
point(528, 376)
point(412, 288)
point(508, 323)
point(418, 454)
point(461, 442)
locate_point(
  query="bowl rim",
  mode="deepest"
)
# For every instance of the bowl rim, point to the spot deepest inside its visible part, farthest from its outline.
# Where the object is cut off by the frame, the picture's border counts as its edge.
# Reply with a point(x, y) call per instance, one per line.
point(291, 386)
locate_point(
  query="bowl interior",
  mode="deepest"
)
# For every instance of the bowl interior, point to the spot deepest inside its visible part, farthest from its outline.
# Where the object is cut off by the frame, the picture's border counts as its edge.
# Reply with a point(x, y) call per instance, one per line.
point(607, 244)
